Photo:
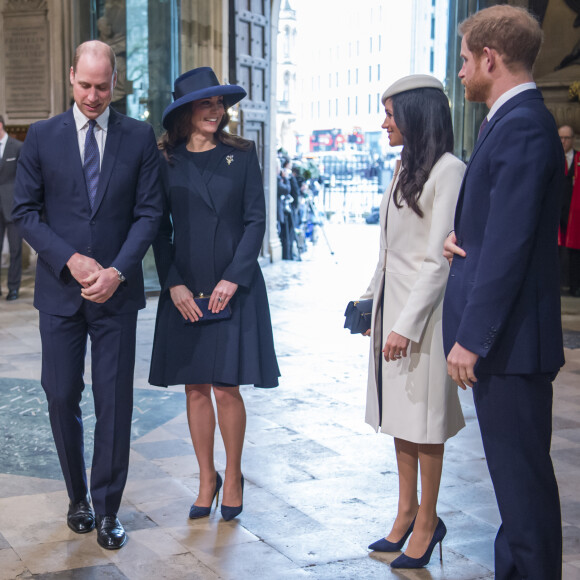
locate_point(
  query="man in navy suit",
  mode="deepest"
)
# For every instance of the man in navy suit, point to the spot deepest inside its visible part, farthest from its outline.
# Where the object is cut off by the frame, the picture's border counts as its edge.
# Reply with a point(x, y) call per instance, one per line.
point(501, 319)
point(87, 199)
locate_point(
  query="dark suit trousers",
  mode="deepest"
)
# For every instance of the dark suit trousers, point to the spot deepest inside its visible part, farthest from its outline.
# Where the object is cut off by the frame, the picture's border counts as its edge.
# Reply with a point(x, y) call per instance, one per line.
point(15, 245)
point(64, 342)
point(515, 418)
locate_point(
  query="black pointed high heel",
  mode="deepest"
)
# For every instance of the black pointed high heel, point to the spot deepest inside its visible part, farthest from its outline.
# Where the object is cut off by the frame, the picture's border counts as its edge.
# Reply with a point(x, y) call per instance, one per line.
point(404, 561)
point(197, 512)
point(229, 512)
point(383, 545)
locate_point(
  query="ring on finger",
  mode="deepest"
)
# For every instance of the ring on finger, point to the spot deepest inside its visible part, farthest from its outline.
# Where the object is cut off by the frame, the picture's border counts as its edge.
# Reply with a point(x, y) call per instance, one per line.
point(220, 299)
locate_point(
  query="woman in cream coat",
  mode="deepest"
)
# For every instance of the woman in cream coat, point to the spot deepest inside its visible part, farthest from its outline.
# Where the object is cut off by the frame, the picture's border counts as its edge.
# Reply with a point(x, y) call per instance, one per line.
point(410, 395)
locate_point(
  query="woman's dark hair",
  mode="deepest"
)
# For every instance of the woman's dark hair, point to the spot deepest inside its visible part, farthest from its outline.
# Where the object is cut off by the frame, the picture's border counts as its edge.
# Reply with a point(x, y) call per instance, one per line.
point(180, 128)
point(424, 119)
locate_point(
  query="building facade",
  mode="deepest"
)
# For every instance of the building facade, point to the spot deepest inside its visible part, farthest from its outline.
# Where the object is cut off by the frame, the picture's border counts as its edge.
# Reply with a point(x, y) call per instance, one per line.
point(345, 66)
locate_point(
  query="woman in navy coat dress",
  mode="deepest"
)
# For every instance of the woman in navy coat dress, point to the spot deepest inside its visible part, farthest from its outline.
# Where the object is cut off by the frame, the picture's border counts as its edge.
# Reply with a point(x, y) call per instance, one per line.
point(208, 244)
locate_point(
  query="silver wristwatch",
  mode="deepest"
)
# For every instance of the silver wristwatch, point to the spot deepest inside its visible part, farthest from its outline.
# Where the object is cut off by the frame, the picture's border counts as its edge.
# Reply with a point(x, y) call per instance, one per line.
point(119, 275)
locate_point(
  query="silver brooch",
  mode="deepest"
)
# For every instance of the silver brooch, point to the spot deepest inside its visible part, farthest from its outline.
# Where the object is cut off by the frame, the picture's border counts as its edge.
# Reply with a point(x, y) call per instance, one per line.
point(229, 159)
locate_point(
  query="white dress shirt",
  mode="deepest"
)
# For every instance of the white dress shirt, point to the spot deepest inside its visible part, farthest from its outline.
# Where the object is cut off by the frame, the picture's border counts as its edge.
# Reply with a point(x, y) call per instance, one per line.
point(82, 124)
point(3, 144)
point(570, 159)
point(509, 95)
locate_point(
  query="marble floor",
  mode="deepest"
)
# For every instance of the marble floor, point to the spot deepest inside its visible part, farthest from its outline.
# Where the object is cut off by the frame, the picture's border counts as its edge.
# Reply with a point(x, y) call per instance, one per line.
point(320, 484)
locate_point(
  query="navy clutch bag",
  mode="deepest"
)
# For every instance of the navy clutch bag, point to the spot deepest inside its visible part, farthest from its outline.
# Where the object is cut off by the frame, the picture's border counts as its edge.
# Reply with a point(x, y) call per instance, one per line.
point(358, 315)
point(208, 315)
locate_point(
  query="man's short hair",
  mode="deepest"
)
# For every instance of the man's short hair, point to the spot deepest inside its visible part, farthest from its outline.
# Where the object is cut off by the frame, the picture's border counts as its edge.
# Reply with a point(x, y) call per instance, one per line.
point(95, 47)
point(513, 32)
point(1, 120)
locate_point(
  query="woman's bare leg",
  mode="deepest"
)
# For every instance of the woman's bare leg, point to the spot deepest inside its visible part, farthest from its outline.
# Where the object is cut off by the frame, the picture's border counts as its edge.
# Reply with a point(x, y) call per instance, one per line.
point(407, 463)
point(232, 422)
point(201, 419)
point(431, 466)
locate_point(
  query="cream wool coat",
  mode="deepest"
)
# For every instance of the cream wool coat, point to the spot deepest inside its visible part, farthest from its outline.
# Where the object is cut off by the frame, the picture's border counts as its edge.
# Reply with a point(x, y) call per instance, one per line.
point(420, 402)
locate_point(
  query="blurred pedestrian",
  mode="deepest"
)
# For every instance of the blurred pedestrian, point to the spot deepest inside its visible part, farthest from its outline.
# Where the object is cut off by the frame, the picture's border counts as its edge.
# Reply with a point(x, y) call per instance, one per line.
point(570, 216)
point(9, 153)
point(208, 247)
point(287, 205)
point(409, 394)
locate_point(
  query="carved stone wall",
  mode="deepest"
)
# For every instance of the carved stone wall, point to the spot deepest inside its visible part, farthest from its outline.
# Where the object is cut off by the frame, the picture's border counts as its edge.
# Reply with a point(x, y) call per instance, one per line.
point(34, 38)
point(561, 50)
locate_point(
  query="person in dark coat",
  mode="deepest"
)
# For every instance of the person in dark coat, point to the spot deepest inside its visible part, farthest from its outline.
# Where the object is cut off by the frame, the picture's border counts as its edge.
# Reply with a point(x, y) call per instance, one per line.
point(9, 153)
point(287, 201)
point(208, 244)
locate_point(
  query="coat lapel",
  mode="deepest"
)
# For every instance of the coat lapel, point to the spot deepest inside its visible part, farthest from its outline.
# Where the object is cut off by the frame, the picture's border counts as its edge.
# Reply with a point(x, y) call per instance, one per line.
point(193, 176)
point(199, 182)
point(114, 133)
point(70, 148)
point(224, 151)
point(498, 116)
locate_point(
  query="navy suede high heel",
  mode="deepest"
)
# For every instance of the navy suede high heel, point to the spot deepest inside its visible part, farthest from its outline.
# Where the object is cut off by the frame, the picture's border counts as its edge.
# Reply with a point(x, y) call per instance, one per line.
point(229, 512)
point(404, 561)
point(383, 545)
point(197, 512)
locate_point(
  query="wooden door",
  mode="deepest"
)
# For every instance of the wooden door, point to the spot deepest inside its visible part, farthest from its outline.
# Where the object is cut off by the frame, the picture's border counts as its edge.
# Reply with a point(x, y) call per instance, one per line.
point(250, 68)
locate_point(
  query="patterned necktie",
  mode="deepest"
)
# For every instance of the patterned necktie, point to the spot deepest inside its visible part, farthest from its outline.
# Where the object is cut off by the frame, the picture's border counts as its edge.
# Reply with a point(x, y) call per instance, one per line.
point(92, 163)
point(482, 127)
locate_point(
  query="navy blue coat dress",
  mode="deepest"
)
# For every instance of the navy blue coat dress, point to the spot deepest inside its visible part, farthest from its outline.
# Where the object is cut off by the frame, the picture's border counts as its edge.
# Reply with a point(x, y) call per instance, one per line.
point(212, 229)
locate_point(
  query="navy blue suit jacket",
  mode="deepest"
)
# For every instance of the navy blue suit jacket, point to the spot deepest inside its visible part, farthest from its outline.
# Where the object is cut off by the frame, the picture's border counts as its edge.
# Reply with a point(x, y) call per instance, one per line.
point(52, 210)
point(503, 300)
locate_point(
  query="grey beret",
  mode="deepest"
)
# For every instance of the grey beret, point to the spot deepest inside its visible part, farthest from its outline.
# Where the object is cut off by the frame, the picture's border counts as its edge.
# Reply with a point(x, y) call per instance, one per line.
point(410, 83)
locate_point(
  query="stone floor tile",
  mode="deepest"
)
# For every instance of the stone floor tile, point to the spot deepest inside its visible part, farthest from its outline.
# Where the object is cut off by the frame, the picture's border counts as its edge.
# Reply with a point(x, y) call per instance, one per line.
point(317, 548)
point(146, 490)
point(210, 533)
point(180, 566)
point(11, 566)
point(247, 560)
point(108, 572)
point(78, 552)
point(571, 571)
point(15, 485)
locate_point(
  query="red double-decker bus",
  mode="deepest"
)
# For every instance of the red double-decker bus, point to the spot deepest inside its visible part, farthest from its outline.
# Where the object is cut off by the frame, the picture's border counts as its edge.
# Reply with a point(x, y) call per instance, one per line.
point(327, 140)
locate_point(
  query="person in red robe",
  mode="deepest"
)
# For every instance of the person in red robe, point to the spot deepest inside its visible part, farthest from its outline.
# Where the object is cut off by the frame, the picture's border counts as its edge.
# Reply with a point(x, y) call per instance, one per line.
point(570, 222)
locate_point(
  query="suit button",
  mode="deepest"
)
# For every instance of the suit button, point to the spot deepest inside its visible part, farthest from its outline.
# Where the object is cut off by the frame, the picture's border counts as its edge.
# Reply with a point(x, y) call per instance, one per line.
point(92, 222)
point(459, 242)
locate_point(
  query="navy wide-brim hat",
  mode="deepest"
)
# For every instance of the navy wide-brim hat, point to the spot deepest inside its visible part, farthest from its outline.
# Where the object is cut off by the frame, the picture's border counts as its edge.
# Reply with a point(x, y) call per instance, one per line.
point(200, 83)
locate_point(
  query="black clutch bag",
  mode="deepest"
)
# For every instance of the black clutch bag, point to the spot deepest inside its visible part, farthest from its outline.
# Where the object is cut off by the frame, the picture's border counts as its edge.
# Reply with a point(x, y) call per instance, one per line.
point(208, 315)
point(358, 315)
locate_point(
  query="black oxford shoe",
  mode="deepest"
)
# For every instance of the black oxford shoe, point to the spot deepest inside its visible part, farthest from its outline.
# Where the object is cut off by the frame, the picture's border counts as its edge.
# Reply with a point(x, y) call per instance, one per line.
point(80, 517)
point(110, 533)
point(12, 295)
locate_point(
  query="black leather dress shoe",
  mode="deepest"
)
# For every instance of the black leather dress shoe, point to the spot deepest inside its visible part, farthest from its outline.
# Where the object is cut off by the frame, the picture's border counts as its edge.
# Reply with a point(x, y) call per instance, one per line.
point(110, 533)
point(80, 517)
point(12, 295)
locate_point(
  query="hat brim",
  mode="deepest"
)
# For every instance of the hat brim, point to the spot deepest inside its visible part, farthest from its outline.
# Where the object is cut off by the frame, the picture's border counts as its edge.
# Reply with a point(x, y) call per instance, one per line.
point(232, 94)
